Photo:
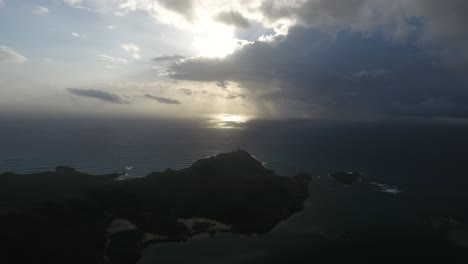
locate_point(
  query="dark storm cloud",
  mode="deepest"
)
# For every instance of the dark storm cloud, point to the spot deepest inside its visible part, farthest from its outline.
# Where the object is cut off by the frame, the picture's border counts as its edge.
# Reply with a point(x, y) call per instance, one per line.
point(273, 11)
point(162, 100)
point(233, 18)
point(312, 11)
point(318, 72)
point(168, 58)
point(437, 26)
point(98, 94)
point(443, 29)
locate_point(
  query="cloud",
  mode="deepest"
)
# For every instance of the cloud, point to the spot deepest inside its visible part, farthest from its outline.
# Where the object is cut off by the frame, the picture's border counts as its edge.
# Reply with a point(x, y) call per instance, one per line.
point(413, 53)
point(95, 6)
point(442, 28)
point(110, 58)
point(186, 91)
point(233, 95)
point(73, 2)
point(131, 48)
point(77, 35)
point(8, 55)
point(168, 58)
point(162, 100)
point(233, 18)
point(197, 14)
point(183, 7)
point(41, 10)
point(223, 84)
point(98, 94)
point(313, 73)
point(436, 26)
point(313, 12)
point(2, 3)
point(166, 11)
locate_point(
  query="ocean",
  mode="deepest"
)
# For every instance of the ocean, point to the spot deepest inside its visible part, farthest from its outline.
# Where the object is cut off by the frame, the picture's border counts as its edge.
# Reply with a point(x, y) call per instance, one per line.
point(416, 176)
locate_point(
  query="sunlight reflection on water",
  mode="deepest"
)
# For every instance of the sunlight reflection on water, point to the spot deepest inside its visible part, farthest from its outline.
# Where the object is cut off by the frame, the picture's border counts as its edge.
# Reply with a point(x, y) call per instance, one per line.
point(228, 121)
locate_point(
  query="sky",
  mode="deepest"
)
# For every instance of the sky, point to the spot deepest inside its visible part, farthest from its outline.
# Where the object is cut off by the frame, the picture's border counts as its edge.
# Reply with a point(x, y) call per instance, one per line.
point(235, 60)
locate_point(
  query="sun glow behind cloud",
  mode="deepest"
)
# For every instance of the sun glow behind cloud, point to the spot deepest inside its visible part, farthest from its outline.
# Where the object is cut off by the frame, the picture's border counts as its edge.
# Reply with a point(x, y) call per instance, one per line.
point(209, 37)
point(265, 59)
point(213, 40)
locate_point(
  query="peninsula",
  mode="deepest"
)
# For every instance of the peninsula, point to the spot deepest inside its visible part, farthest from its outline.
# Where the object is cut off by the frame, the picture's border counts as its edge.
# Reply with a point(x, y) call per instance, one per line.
point(65, 216)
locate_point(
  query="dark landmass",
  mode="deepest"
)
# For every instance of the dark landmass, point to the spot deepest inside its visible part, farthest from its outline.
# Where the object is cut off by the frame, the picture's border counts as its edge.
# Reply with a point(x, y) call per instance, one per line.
point(346, 178)
point(66, 216)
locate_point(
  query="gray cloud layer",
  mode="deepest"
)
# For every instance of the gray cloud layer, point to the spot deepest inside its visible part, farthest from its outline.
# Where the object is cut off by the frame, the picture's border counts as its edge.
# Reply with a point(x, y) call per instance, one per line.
point(168, 58)
point(353, 58)
point(162, 100)
point(233, 18)
point(183, 7)
point(98, 94)
point(346, 74)
point(437, 26)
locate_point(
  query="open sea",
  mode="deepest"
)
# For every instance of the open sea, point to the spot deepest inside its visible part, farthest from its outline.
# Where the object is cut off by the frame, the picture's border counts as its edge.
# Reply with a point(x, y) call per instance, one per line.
point(415, 187)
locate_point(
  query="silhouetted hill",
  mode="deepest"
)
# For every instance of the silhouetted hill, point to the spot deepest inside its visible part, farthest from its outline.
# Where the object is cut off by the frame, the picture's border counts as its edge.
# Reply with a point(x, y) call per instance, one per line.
point(65, 216)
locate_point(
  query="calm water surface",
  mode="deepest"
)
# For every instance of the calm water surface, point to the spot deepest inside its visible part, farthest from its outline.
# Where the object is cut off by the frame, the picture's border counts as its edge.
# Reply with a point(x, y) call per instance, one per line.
point(424, 167)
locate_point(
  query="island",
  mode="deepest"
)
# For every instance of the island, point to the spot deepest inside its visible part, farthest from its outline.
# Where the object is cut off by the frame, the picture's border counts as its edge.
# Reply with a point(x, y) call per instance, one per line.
point(346, 178)
point(65, 216)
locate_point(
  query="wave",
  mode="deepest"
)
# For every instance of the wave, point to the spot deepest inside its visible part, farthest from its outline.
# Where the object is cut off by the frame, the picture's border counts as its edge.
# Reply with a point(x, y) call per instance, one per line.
point(385, 188)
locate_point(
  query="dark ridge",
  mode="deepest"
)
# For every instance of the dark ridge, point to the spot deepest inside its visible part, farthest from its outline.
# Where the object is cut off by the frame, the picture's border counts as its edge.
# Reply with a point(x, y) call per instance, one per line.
point(62, 216)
